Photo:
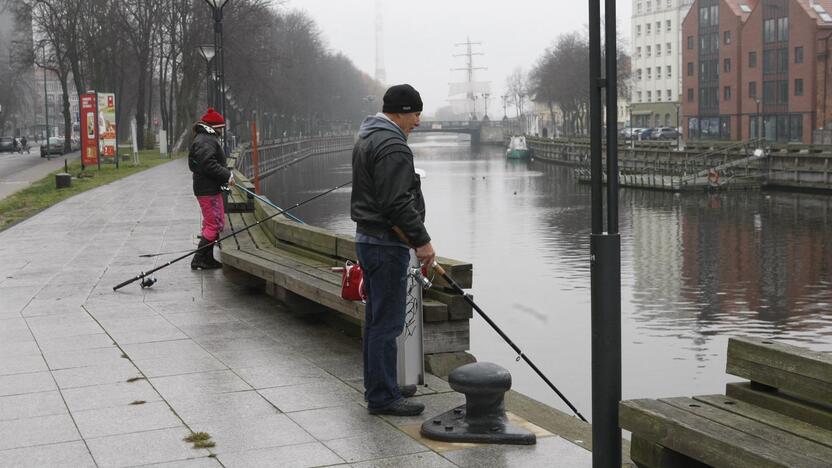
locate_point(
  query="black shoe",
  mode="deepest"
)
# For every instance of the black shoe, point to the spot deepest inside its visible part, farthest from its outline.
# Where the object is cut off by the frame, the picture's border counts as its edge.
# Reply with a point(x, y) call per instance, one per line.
point(204, 257)
point(407, 391)
point(402, 407)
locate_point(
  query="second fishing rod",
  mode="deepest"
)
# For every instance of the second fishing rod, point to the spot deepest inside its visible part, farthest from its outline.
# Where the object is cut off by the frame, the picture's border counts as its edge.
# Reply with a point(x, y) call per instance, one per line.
point(520, 355)
point(146, 274)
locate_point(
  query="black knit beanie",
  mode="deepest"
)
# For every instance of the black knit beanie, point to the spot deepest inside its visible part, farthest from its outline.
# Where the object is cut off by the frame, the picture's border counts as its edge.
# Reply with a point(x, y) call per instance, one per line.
point(401, 99)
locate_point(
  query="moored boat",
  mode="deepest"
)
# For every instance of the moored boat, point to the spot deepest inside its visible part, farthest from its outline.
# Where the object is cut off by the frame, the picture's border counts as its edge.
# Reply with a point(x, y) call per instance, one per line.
point(517, 148)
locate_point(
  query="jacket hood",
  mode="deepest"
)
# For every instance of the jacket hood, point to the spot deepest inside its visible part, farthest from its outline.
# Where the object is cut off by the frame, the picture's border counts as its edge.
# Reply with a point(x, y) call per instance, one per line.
point(200, 127)
point(378, 122)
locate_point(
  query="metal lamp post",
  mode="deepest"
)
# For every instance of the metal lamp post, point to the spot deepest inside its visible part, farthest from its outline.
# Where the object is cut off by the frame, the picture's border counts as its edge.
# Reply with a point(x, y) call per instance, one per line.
point(46, 102)
point(759, 122)
point(217, 7)
point(207, 51)
point(605, 244)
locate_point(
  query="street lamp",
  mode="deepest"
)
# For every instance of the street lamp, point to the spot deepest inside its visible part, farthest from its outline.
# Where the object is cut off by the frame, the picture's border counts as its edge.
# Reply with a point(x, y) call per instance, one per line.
point(485, 97)
point(45, 100)
point(216, 8)
point(207, 51)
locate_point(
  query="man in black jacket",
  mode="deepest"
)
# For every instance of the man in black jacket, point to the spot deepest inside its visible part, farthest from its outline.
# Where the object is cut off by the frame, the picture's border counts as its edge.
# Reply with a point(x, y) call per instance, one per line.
point(387, 193)
point(206, 160)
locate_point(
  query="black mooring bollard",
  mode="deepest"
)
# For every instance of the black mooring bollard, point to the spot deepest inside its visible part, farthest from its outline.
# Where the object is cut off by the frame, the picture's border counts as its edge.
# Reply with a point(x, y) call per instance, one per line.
point(482, 419)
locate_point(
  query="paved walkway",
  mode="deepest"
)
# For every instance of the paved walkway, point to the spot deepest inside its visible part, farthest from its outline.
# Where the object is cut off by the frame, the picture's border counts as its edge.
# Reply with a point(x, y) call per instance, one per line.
point(89, 377)
point(20, 170)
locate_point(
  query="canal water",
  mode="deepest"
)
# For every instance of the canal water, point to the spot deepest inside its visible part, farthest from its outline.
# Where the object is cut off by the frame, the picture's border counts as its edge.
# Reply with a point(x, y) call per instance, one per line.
point(696, 268)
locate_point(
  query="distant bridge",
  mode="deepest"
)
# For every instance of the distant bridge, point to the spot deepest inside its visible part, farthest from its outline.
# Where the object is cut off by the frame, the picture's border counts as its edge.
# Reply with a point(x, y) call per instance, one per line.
point(488, 131)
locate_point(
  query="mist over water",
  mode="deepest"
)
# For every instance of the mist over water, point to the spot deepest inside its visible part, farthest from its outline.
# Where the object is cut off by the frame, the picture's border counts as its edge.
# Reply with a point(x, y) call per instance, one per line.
point(696, 268)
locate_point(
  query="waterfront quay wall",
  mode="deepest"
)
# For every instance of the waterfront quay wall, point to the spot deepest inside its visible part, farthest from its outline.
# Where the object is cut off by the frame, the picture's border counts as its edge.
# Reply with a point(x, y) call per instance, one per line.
point(786, 166)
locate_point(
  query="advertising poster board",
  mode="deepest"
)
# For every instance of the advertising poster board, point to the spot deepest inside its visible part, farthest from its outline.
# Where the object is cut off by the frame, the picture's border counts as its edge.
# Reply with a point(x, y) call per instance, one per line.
point(89, 130)
point(107, 125)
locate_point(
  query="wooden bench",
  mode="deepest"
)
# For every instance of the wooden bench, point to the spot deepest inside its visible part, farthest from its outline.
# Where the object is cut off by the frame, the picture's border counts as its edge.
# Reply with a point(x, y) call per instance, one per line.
point(294, 262)
point(780, 417)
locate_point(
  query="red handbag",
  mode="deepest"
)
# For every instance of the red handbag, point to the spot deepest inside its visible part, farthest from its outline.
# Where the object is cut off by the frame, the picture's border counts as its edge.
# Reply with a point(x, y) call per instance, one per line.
point(352, 282)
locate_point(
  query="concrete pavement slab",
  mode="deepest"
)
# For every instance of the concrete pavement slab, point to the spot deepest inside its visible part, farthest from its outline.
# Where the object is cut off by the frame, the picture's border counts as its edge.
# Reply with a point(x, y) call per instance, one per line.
point(319, 394)
point(40, 430)
point(95, 375)
point(125, 419)
point(64, 455)
point(19, 384)
point(223, 381)
point(21, 364)
point(143, 448)
point(387, 442)
point(105, 396)
point(31, 405)
point(548, 452)
point(237, 434)
point(293, 456)
point(417, 460)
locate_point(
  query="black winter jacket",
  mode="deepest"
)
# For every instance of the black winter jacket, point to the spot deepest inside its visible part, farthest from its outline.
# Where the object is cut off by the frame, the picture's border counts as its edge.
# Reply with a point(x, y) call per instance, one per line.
point(386, 191)
point(206, 160)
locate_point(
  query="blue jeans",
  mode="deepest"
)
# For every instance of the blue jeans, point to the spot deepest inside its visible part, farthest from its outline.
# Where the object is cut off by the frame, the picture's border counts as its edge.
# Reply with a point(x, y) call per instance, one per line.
point(385, 279)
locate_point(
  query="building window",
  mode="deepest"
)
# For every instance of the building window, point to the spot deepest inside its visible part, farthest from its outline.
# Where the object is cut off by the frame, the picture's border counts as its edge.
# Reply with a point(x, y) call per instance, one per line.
point(726, 65)
point(658, 96)
point(783, 60)
point(649, 96)
point(667, 70)
point(726, 37)
point(690, 68)
point(649, 7)
point(769, 90)
point(658, 50)
point(798, 55)
point(649, 73)
point(668, 95)
point(638, 74)
point(667, 23)
point(726, 93)
point(769, 61)
point(638, 30)
point(783, 92)
point(769, 30)
point(690, 42)
point(752, 60)
point(783, 28)
point(752, 89)
point(649, 51)
point(638, 7)
point(639, 95)
point(638, 52)
point(648, 26)
point(798, 87)
point(658, 73)
point(690, 94)
point(667, 48)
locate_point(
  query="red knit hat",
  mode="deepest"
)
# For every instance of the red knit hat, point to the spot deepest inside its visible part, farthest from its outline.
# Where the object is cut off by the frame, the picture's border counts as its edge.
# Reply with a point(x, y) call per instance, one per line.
point(213, 118)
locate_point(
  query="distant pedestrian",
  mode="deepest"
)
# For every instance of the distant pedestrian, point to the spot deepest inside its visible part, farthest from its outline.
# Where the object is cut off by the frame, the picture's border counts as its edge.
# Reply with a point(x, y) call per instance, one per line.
point(206, 160)
point(387, 193)
point(15, 145)
point(24, 144)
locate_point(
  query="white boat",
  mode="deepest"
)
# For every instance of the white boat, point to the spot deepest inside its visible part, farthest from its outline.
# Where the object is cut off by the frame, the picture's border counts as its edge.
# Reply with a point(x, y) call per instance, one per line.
point(517, 148)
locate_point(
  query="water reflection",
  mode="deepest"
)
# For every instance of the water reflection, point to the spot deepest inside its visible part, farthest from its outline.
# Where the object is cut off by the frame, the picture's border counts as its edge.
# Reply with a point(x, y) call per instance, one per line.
point(696, 267)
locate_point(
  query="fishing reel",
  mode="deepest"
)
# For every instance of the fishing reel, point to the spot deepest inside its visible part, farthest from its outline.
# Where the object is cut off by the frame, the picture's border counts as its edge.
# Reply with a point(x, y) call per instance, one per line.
point(148, 281)
point(421, 278)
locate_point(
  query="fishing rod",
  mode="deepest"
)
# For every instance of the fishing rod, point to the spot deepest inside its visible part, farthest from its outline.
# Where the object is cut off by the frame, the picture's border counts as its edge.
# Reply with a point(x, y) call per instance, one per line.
point(455, 286)
point(266, 201)
point(458, 289)
point(146, 283)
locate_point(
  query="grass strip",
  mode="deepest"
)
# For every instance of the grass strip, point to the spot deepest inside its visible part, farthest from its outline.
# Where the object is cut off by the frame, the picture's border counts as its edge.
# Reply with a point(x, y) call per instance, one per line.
point(42, 194)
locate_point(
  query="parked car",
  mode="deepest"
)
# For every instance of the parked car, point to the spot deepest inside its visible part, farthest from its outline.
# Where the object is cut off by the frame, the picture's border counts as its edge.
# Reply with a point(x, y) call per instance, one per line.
point(56, 146)
point(646, 134)
point(666, 133)
point(6, 145)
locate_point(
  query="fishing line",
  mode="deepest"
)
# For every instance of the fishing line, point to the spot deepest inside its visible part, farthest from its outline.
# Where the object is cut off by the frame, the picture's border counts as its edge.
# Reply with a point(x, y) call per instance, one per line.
point(144, 274)
point(266, 201)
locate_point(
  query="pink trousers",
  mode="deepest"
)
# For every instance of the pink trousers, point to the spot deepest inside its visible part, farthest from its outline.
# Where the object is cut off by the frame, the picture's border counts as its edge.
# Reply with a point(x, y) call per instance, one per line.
point(213, 216)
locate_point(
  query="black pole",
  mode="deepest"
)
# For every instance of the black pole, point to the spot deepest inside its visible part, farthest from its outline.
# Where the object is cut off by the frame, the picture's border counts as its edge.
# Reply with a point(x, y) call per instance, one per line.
point(605, 247)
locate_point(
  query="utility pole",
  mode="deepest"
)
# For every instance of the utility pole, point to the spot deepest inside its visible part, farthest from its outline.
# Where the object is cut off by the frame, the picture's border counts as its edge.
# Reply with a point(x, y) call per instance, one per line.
point(505, 104)
point(381, 74)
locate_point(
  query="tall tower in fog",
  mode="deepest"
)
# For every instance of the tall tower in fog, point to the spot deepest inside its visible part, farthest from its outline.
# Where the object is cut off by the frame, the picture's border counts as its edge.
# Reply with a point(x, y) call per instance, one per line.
point(381, 75)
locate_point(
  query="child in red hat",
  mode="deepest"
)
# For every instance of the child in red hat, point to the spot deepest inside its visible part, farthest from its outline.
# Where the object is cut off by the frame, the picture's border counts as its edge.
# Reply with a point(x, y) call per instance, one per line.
point(207, 162)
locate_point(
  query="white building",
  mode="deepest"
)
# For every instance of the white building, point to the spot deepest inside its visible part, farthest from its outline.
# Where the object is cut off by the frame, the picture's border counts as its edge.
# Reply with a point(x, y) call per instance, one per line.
point(657, 61)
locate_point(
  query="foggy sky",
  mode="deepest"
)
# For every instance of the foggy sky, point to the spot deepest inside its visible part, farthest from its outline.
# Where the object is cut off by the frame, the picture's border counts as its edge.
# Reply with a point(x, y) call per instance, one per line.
point(419, 37)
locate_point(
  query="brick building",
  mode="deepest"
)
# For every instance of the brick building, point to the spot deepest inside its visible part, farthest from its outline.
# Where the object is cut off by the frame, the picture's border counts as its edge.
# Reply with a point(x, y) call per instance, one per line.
point(750, 64)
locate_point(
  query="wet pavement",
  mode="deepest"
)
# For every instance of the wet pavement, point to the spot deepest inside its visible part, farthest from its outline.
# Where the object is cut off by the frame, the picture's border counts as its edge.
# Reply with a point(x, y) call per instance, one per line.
point(89, 377)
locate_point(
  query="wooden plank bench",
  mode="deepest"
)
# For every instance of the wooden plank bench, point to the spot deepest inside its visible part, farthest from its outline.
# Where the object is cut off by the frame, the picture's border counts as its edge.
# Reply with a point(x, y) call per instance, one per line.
point(781, 417)
point(294, 262)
